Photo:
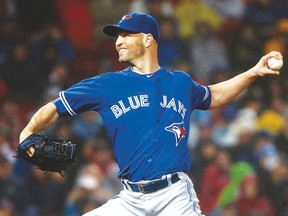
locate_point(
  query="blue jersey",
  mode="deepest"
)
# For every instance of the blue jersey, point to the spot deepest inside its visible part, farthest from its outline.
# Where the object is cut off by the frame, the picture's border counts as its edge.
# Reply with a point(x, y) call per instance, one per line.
point(146, 117)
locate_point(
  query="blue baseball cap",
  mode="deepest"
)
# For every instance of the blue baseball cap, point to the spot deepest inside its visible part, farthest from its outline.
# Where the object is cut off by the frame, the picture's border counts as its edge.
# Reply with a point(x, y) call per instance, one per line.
point(135, 23)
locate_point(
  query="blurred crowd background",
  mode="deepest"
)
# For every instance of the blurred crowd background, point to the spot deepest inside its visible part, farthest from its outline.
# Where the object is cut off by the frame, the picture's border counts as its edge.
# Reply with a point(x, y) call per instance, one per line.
point(239, 152)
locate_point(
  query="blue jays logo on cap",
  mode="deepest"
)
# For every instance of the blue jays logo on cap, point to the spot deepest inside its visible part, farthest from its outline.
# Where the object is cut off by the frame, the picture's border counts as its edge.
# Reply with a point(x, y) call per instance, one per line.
point(126, 16)
point(178, 129)
point(134, 23)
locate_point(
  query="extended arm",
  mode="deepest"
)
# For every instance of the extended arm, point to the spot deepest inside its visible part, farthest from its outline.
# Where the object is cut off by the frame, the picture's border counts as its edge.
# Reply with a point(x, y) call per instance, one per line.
point(41, 120)
point(225, 92)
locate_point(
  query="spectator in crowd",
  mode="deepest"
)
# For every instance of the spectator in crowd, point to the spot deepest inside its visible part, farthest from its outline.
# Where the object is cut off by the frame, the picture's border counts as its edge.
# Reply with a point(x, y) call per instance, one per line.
point(276, 37)
point(13, 192)
point(203, 155)
point(10, 34)
point(274, 89)
point(33, 15)
point(265, 151)
point(201, 126)
point(87, 125)
point(3, 89)
point(219, 171)
point(229, 210)
point(47, 193)
point(50, 50)
point(272, 169)
point(87, 193)
point(244, 122)
point(281, 140)
point(52, 44)
point(238, 171)
point(5, 146)
point(171, 48)
point(7, 208)
point(157, 8)
point(189, 12)
point(251, 200)
point(275, 186)
point(245, 47)
point(57, 81)
point(280, 37)
point(263, 14)
point(227, 9)
point(272, 118)
point(19, 65)
point(243, 150)
point(101, 12)
point(206, 52)
point(11, 118)
point(103, 157)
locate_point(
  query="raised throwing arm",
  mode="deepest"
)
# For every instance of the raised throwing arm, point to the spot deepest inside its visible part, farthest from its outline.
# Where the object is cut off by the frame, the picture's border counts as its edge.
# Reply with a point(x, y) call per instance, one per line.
point(225, 92)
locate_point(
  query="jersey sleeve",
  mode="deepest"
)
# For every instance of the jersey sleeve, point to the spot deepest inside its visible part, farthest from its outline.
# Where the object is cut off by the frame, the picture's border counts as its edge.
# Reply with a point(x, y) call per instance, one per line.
point(202, 98)
point(84, 96)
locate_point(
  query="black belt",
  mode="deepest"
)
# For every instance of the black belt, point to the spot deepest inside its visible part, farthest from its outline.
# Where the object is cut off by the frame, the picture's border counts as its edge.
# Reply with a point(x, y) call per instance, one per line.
point(151, 186)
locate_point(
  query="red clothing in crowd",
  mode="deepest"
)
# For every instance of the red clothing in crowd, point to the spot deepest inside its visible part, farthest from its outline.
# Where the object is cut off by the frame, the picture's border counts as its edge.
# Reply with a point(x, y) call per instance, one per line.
point(214, 180)
point(250, 202)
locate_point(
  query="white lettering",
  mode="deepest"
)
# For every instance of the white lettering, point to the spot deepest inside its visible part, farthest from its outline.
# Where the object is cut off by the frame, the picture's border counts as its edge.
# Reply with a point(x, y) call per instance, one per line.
point(116, 111)
point(164, 103)
point(134, 106)
point(123, 107)
point(182, 109)
point(172, 104)
point(144, 100)
point(136, 102)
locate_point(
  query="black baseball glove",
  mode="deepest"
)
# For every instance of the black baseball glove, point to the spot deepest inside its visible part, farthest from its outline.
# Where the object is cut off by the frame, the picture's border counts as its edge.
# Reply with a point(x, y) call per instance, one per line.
point(53, 155)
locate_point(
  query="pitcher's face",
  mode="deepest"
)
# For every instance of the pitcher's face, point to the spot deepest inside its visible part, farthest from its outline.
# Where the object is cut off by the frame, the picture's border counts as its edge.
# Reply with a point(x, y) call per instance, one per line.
point(130, 46)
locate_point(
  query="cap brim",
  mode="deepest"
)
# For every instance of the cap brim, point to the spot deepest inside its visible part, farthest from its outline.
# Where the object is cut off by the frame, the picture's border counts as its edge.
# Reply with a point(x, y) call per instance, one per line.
point(112, 30)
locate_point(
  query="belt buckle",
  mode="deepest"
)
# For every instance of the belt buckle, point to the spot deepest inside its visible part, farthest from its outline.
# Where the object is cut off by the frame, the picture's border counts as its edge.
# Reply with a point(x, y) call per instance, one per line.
point(141, 188)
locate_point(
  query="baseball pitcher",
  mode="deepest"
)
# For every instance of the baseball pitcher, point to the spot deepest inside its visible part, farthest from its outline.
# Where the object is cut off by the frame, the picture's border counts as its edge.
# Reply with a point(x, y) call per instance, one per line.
point(146, 112)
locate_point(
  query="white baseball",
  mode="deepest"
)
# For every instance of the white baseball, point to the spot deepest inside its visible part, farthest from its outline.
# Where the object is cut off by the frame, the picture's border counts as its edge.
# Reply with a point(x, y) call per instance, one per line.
point(275, 64)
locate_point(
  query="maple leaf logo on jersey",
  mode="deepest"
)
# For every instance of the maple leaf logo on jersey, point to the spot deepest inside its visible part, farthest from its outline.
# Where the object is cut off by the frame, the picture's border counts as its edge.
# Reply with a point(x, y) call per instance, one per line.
point(178, 129)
